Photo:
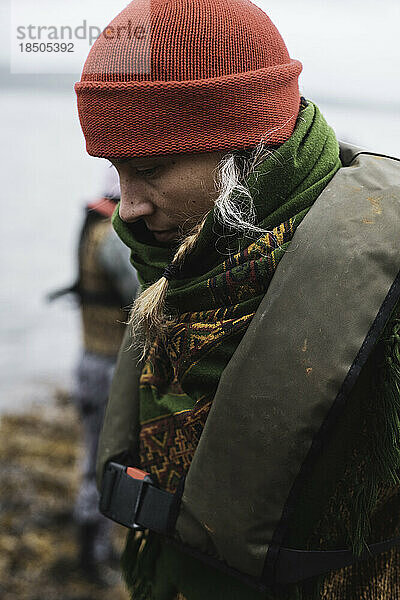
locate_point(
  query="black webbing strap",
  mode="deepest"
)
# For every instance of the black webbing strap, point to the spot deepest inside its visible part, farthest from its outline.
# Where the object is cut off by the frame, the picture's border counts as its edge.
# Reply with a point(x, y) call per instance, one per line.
point(297, 565)
point(135, 503)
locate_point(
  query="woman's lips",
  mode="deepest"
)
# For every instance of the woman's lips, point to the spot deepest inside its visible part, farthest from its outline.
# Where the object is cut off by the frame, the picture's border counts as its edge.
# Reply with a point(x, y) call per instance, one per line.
point(165, 235)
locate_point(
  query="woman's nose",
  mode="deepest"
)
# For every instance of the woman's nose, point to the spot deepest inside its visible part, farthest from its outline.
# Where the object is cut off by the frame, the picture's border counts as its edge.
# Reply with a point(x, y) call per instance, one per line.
point(133, 207)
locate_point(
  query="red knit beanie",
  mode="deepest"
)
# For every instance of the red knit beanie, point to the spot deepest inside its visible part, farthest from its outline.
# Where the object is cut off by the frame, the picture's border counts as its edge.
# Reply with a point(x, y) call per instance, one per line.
point(173, 76)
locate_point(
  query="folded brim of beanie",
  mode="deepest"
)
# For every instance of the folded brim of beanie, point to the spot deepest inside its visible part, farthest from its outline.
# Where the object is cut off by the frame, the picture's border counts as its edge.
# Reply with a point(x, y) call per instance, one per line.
point(143, 118)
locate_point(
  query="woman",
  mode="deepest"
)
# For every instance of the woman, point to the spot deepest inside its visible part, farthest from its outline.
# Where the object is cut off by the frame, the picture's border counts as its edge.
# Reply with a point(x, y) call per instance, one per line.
point(220, 161)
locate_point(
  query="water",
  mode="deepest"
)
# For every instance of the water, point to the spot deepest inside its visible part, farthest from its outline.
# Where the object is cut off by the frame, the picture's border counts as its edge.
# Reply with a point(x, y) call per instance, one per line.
point(46, 177)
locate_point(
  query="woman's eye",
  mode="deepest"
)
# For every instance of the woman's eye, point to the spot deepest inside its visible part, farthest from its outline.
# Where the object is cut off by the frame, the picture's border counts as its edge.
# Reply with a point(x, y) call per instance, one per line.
point(147, 172)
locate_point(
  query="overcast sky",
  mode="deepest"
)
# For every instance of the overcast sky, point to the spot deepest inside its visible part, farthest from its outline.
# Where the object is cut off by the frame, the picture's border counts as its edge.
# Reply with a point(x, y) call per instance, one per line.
point(349, 48)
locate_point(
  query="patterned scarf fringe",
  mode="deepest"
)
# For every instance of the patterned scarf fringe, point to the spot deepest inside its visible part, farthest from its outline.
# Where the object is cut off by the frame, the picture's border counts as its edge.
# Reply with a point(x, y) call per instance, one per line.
point(309, 589)
point(138, 563)
point(382, 466)
point(312, 588)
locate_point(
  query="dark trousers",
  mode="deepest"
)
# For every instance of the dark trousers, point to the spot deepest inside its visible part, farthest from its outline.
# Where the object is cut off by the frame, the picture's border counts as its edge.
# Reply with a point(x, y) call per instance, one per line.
point(92, 382)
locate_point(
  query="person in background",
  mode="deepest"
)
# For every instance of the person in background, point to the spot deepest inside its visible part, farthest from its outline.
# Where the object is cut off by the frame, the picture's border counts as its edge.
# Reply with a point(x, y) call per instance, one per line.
point(106, 285)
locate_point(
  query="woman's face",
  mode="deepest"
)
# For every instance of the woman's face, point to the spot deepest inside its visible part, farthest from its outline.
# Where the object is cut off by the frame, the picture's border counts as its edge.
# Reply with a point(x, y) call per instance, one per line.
point(171, 193)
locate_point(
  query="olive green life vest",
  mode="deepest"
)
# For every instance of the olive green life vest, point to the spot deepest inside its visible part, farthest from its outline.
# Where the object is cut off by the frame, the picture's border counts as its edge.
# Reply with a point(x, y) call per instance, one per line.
point(325, 308)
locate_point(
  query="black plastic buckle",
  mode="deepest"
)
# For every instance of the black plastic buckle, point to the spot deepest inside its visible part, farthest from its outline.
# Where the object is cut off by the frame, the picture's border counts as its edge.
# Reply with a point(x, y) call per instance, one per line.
point(121, 495)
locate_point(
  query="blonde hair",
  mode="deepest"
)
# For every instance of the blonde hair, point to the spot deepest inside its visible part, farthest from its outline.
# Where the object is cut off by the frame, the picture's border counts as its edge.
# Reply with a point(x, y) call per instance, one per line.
point(233, 208)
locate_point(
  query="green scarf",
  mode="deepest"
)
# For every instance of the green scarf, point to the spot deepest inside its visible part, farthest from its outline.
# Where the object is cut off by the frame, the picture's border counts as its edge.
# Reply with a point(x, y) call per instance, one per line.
point(224, 280)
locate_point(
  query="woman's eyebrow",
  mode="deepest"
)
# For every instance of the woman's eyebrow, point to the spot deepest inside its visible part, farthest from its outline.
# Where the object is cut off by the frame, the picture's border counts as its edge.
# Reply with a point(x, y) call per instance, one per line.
point(119, 161)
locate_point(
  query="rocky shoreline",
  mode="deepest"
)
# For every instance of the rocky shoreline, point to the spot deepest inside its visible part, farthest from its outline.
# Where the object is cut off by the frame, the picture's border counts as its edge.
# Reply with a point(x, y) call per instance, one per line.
point(40, 454)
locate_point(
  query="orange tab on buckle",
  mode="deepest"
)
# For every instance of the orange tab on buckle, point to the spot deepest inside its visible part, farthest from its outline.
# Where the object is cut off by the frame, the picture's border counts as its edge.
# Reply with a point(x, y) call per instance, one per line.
point(136, 473)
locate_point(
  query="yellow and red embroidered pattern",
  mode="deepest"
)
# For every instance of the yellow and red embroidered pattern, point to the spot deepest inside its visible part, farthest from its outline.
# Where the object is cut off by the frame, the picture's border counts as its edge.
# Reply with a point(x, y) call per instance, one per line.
point(180, 376)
